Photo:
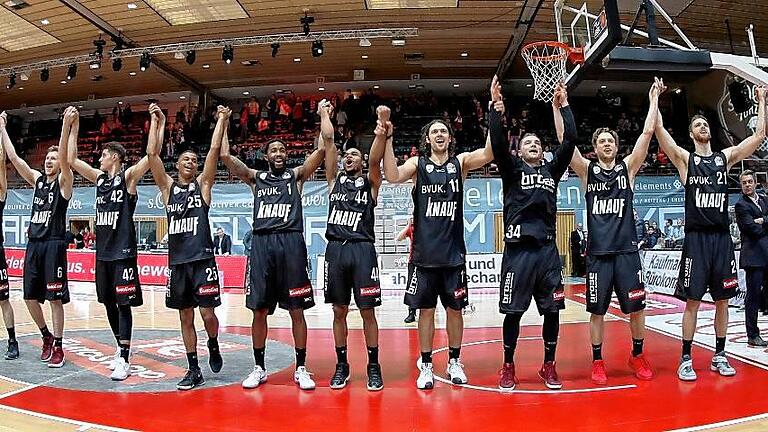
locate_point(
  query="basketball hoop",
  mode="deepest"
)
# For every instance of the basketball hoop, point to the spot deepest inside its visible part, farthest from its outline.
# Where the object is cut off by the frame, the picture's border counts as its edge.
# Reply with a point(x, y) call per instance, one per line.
point(546, 61)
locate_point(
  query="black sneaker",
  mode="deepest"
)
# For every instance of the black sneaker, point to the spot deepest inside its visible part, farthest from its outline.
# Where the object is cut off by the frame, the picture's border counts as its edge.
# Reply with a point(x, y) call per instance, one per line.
point(192, 379)
point(375, 381)
point(13, 350)
point(214, 358)
point(411, 317)
point(340, 378)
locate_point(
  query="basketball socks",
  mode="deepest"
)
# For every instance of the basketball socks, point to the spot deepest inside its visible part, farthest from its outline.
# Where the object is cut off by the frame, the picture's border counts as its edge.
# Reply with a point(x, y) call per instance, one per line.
point(258, 357)
point(44, 331)
point(597, 352)
point(719, 345)
point(213, 344)
point(125, 350)
point(373, 355)
point(11, 334)
point(454, 353)
point(426, 357)
point(687, 347)
point(301, 357)
point(57, 342)
point(549, 332)
point(192, 360)
point(637, 347)
point(341, 354)
point(511, 333)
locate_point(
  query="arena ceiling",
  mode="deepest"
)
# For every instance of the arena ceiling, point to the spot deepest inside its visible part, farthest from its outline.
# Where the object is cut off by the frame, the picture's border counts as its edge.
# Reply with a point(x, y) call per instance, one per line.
point(486, 31)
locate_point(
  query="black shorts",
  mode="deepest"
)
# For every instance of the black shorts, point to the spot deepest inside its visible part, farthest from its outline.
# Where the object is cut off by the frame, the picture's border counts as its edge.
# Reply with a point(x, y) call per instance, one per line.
point(5, 289)
point(45, 271)
point(278, 273)
point(622, 273)
point(193, 284)
point(117, 282)
point(426, 284)
point(531, 271)
point(352, 268)
point(707, 263)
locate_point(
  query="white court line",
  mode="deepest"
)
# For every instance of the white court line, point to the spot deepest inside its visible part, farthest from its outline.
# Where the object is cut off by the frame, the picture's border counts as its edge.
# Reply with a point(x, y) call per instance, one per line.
point(722, 424)
point(82, 424)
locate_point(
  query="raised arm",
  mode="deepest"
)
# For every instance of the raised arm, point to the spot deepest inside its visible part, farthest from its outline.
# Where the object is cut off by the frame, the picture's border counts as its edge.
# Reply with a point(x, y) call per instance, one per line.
point(66, 178)
point(635, 159)
point(29, 174)
point(324, 109)
point(745, 148)
point(235, 166)
point(677, 155)
point(578, 163)
point(135, 173)
point(3, 174)
point(564, 154)
point(480, 157)
point(162, 179)
point(394, 173)
point(311, 163)
point(382, 134)
point(208, 176)
point(81, 166)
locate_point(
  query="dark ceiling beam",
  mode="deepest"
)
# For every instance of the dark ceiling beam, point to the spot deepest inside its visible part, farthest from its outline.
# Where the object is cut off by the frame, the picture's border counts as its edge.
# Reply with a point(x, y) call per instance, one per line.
point(116, 35)
point(522, 27)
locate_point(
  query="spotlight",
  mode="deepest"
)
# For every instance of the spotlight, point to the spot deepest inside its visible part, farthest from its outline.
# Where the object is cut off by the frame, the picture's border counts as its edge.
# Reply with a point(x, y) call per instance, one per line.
point(71, 72)
point(364, 42)
point(317, 48)
point(305, 21)
point(44, 75)
point(228, 54)
point(95, 64)
point(99, 44)
point(117, 64)
point(11, 80)
point(144, 61)
point(275, 47)
point(191, 57)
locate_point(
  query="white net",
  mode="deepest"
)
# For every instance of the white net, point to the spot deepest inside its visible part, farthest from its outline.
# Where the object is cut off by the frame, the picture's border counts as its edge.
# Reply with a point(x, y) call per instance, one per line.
point(546, 61)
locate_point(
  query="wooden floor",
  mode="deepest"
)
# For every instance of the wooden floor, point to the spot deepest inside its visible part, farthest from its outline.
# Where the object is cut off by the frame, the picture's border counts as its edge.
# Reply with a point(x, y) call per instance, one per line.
point(84, 313)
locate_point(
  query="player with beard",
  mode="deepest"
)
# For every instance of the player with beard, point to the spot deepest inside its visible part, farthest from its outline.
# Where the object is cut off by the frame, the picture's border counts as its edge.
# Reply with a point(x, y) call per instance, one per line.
point(45, 260)
point(278, 269)
point(193, 280)
point(613, 262)
point(12, 352)
point(707, 262)
point(439, 252)
point(531, 267)
point(117, 278)
point(351, 264)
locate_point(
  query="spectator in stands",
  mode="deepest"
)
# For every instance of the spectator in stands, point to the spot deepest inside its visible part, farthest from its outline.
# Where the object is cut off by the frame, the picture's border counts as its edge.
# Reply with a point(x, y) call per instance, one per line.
point(650, 239)
point(458, 122)
point(89, 238)
point(734, 230)
point(264, 126)
point(341, 119)
point(247, 242)
point(514, 132)
point(350, 141)
point(548, 155)
point(271, 107)
point(181, 115)
point(222, 243)
point(127, 115)
point(253, 110)
point(414, 151)
point(79, 243)
point(578, 245)
point(244, 123)
point(298, 118)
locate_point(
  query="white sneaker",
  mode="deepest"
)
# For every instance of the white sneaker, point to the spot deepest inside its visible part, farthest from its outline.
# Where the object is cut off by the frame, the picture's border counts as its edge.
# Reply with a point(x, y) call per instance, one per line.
point(113, 363)
point(303, 378)
point(122, 370)
point(685, 371)
point(720, 365)
point(256, 377)
point(426, 379)
point(456, 372)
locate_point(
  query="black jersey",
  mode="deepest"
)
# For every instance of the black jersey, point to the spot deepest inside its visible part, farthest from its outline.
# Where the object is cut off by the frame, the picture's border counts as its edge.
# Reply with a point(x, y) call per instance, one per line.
point(49, 211)
point(609, 210)
point(706, 193)
point(438, 214)
point(350, 209)
point(115, 232)
point(189, 232)
point(2, 235)
point(277, 203)
point(530, 192)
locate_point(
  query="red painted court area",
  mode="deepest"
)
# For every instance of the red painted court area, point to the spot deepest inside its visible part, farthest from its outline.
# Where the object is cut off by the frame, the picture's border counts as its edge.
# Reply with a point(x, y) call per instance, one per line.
point(626, 403)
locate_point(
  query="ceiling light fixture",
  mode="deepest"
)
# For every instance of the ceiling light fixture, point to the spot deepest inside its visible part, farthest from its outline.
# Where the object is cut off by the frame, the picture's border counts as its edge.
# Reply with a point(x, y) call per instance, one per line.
point(44, 75)
point(191, 57)
point(317, 48)
point(305, 21)
point(275, 48)
point(144, 61)
point(71, 72)
point(228, 54)
point(117, 64)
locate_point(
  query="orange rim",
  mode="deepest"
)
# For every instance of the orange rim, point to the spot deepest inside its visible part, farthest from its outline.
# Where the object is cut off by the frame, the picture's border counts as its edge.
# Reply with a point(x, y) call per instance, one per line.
point(574, 55)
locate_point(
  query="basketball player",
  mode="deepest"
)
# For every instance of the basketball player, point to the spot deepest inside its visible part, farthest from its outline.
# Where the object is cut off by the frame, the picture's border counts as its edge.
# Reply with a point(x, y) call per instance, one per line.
point(278, 269)
point(12, 352)
point(707, 262)
point(613, 262)
point(531, 265)
point(45, 261)
point(351, 264)
point(117, 279)
point(439, 252)
point(193, 280)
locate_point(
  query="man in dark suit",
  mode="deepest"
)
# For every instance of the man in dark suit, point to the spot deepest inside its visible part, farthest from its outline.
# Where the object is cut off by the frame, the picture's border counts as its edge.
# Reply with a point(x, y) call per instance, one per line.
point(578, 247)
point(222, 243)
point(752, 218)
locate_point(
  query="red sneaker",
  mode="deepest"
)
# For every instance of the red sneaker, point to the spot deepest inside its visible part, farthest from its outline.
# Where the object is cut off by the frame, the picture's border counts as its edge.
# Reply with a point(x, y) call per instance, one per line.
point(642, 368)
point(549, 374)
point(599, 376)
point(47, 348)
point(507, 378)
point(57, 358)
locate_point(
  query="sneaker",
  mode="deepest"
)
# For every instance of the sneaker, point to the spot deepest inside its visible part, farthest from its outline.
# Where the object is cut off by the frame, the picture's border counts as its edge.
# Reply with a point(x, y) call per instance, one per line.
point(57, 358)
point(507, 378)
point(411, 318)
point(720, 365)
point(47, 352)
point(456, 372)
point(375, 381)
point(685, 371)
point(599, 376)
point(122, 370)
point(192, 379)
point(642, 368)
point(340, 378)
point(214, 359)
point(13, 350)
point(549, 374)
point(757, 342)
point(303, 378)
point(115, 360)
point(426, 379)
point(257, 377)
